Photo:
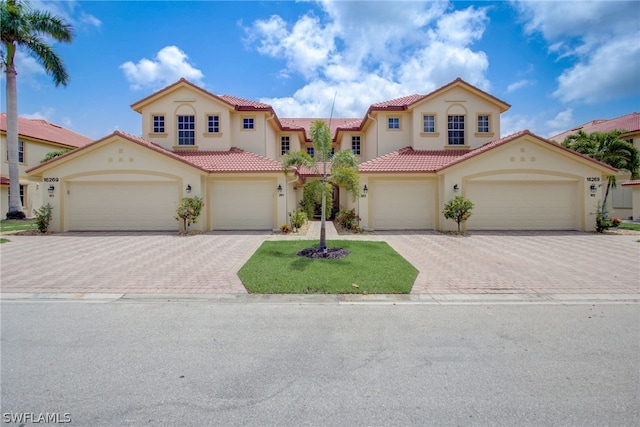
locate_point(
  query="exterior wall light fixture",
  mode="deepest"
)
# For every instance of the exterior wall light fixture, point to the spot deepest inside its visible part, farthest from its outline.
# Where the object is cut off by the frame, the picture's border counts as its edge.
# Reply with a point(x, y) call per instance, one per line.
point(456, 188)
point(279, 189)
point(594, 189)
point(188, 189)
point(365, 190)
point(51, 189)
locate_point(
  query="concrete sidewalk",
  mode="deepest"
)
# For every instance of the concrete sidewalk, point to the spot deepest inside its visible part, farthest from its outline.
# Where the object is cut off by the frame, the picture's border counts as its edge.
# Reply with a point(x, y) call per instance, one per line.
point(508, 263)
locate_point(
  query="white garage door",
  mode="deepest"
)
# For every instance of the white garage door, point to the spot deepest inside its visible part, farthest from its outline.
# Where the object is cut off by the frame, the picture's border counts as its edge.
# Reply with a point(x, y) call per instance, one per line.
point(522, 205)
point(402, 205)
point(129, 206)
point(242, 205)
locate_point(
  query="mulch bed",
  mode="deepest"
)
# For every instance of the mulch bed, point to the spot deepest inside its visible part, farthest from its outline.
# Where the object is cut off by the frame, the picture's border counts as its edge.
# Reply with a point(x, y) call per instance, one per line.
point(333, 253)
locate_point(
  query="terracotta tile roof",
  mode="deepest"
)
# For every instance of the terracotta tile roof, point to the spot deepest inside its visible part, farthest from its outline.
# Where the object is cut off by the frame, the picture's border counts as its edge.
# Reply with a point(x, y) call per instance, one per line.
point(629, 122)
point(632, 182)
point(46, 131)
point(244, 104)
point(4, 180)
point(304, 124)
point(398, 103)
point(409, 160)
point(306, 172)
point(234, 160)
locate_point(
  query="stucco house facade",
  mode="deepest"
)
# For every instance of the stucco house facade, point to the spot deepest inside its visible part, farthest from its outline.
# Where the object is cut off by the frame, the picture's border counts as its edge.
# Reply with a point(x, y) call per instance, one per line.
point(415, 152)
point(624, 200)
point(36, 139)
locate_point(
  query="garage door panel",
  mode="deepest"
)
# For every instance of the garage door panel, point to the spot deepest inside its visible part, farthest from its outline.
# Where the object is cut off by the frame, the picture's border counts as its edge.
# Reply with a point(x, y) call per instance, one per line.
point(129, 206)
point(397, 205)
point(550, 205)
point(242, 205)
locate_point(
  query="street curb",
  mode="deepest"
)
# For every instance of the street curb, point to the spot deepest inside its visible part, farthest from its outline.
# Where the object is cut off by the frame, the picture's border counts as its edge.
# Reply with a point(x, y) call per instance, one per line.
point(344, 299)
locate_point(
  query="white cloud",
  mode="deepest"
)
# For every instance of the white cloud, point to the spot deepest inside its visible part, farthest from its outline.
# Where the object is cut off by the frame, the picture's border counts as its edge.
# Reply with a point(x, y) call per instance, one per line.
point(519, 85)
point(169, 65)
point(370, 52)
point(561, 122)
point(69, 10)
point(600, 40)
point(512, 123)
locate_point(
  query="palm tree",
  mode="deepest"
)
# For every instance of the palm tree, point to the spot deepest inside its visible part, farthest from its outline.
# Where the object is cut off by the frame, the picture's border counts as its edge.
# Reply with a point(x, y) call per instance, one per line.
point(20, 26)
point(608, 148)
point(344, 169)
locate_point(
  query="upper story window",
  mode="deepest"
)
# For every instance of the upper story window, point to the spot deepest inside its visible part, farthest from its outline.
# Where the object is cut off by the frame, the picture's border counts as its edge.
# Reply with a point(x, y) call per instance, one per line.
point(213, 123)
point(158, 124)
point(285, 145)
point(483, 123)
point(429, 123)
point(310, 151)
point(355, 145)
point(393, 123)
point(456, 130)
point(20, 152)
point(248, 123)
point(186, 130)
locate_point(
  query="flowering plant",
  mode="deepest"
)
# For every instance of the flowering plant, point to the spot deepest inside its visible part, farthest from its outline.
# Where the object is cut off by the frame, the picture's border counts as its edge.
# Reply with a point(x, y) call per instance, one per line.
point(189, 210)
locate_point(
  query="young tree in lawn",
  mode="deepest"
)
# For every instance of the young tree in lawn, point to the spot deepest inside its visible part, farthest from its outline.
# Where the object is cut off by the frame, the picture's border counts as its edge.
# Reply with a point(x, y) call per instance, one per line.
point(608, 148)
point(344, 169)
point(25, 28)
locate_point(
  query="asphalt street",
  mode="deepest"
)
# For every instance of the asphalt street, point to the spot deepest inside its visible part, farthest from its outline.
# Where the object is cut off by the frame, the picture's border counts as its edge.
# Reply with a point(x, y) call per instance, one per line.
point(139, 362)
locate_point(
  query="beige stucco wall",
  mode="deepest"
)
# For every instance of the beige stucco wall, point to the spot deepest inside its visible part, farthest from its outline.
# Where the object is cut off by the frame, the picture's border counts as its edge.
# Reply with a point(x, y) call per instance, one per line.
point(636, 203)
point(186, 101)
point(526, 159)
point(34, 152)
point(116, 160)
point(455, 101)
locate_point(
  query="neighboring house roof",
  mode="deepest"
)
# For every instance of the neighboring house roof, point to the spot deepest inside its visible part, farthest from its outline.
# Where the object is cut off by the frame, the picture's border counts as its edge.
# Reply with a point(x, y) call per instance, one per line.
point(233, 160)
point(46, 131)
point(4, 180)
point(629, 122)
point(335, 124)
point(632, 182)
point(410, 160)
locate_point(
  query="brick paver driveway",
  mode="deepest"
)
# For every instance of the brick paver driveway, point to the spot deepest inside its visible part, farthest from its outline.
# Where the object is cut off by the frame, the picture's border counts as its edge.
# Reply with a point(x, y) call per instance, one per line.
point(501, 262)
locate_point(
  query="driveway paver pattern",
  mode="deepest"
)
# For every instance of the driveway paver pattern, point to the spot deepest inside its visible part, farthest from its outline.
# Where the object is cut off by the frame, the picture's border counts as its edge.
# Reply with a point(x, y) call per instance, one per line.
point(165, 263)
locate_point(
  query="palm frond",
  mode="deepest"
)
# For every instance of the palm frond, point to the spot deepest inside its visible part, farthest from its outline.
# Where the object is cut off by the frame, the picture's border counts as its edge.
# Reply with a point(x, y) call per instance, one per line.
point(297, 159)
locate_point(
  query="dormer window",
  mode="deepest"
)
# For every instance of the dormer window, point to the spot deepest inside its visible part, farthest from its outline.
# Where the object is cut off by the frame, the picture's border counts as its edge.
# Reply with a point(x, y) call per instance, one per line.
point(186, 130)
point(429, 123)
point(455, 126)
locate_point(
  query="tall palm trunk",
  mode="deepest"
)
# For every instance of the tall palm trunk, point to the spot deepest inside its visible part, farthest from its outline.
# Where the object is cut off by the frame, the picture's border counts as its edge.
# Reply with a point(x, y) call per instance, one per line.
point(15, 207)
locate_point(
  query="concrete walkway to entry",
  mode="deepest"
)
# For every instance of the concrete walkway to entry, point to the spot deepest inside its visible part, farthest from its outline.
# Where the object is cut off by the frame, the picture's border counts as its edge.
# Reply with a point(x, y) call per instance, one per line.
point(533, 263)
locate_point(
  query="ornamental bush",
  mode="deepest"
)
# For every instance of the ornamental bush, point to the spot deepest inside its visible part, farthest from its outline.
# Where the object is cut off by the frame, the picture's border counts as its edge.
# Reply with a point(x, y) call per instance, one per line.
point(189, 210)
point(458, 209)
point(298, 218)
point(348, 219)
point(43, 217)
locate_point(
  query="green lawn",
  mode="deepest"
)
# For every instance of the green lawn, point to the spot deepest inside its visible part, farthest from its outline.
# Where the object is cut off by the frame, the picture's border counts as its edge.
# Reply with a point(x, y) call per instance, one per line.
point(374, 267)
point(629, 226)
point(18, 225)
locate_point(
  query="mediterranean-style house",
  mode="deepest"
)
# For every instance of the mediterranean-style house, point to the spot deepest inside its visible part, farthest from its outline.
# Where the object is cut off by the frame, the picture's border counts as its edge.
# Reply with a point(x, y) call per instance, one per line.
point(624, 201)
point(416, 153)
point(36, 139)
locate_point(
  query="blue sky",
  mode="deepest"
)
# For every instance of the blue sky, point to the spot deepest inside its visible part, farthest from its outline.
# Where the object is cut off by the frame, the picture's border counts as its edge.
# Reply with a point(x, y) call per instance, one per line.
point(559, 64)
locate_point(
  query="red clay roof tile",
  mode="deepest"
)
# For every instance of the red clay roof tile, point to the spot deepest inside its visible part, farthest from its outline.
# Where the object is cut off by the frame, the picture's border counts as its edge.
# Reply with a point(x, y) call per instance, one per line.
point(234, 160)
point(46, 131)
point(629, 122)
